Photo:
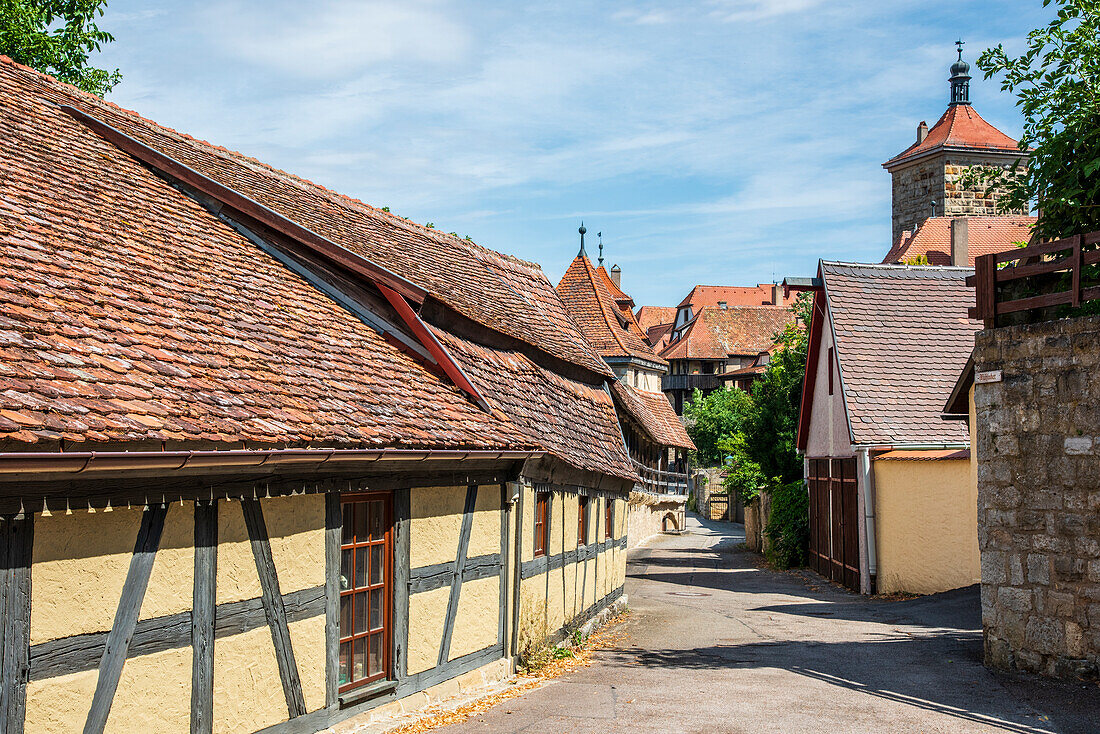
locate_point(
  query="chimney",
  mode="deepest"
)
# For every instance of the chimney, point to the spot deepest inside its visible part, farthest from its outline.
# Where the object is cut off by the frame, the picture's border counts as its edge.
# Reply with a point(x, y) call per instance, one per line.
point(616, 275)
point(777, 294)
point(959, 243)
point(922, 132)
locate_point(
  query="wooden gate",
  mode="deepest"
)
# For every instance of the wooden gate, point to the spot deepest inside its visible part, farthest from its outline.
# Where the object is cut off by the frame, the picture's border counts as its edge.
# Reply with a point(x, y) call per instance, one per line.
point(834, 520)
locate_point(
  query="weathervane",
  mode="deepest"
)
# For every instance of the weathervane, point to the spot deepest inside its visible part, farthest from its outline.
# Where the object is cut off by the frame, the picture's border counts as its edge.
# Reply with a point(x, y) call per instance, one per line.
point(960, 43)
point(600, 235)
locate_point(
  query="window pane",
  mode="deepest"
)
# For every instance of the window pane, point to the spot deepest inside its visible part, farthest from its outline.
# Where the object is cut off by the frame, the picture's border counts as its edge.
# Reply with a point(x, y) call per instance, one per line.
point(376, 565)
point(345, 616)
point(376, 517)
point(345, 662)
point(361, 612)
point(345, 570)
point(360, 522)
point(360, 666)
point(376, 609)
point(361, 557)
point(349, 510)
point(376, 654)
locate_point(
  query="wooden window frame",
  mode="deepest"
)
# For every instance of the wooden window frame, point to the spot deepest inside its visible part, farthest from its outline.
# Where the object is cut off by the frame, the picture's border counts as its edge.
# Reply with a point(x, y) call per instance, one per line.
point(385, 632)
point(830, 358)
point(542, 522)
point(583, 502)
point(608, 518)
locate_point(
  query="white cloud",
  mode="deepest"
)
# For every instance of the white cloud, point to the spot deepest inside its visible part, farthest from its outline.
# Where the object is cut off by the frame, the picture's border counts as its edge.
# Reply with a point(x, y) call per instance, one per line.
point(748, 11)
point(323, 39)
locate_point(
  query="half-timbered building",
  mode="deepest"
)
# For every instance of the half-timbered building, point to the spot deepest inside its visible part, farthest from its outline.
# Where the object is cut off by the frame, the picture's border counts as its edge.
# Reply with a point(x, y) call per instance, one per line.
point(270, 457)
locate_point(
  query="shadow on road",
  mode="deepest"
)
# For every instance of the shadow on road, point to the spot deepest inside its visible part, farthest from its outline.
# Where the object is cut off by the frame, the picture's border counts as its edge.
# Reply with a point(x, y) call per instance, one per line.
point(871, 668)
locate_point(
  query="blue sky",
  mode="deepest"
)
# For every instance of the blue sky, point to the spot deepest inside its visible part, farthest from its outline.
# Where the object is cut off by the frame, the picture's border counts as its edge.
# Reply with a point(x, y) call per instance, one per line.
point(718, 141)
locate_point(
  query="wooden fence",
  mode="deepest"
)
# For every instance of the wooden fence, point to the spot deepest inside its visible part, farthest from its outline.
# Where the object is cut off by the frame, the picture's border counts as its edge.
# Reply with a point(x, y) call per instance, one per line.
point(661, 482)
point(1039, 276)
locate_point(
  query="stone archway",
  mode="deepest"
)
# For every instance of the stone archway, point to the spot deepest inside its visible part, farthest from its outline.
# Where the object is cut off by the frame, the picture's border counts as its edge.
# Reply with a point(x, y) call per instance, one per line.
point(669, 523)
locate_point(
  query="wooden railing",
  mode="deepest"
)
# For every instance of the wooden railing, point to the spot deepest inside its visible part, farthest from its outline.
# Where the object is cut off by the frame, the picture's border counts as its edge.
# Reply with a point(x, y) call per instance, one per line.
point(661, 482)
point(1040, 276)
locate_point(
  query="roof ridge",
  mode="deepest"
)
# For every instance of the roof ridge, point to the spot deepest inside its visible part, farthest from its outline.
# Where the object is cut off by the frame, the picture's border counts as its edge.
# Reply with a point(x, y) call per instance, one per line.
point(893, 266)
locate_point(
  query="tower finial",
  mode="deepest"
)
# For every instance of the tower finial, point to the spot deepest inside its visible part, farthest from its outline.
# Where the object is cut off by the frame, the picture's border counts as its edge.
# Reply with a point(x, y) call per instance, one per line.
point(600, 235)
point(582, 230)
point(960, 78)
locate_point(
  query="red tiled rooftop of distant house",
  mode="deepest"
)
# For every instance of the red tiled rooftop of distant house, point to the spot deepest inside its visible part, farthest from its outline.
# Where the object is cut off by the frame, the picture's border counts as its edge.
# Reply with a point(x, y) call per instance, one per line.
point(654, 414)
point(960, 127)
point(609, 327)
point(717, 333)
point(985, 235)
point(131, 314)
point(650, 316)
point(902, 338)
point(715, 295)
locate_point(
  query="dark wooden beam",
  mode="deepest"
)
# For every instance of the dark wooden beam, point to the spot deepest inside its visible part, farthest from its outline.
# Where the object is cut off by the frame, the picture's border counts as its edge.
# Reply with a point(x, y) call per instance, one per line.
point(117, 646)
point(16, 545)
point(460, 563)
point(402, 520)
point(438, 575)
point(203, 612)
point(334, 521)
point(273, 607)
point(82, 652)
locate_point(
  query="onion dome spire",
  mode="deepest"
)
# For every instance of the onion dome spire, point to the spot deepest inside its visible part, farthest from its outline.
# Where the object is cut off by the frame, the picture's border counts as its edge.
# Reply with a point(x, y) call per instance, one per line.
point(960, 78)
point(582, 230)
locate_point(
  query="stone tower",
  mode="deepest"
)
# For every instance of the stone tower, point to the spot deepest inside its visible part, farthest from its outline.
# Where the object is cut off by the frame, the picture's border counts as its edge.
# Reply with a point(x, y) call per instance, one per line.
point(927, 176)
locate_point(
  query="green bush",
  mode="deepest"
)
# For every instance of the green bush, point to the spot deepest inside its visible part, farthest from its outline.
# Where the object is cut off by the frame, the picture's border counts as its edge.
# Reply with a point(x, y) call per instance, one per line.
point(788, 527)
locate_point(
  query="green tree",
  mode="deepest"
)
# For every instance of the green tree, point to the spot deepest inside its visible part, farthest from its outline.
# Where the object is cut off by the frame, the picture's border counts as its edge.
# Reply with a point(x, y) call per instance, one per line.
point(771, 428)
point(1057, 85)
point(714, 417)
point(56, 37)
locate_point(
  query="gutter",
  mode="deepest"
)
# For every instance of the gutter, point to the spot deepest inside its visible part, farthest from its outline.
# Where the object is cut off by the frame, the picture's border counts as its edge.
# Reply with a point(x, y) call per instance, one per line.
point(97, 462)
point(863, 463)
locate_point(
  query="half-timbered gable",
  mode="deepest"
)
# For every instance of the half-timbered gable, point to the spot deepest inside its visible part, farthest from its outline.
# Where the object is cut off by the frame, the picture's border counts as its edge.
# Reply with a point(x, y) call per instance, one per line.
point(270, 457)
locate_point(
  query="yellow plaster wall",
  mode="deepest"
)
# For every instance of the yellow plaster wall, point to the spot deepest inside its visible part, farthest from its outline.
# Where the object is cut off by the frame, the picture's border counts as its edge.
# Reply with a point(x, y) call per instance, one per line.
point(80, 563)
point(237, 578)
point(427, 612)
point(154, 694)
point(248, 694)
point(296, 526)
point(307, 637)
point(436, 518)
point(926, 525)
point(485, 529)
point(476, 617)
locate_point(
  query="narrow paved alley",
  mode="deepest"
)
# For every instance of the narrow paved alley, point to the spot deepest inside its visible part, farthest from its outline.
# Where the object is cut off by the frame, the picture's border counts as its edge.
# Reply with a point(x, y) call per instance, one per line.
point(715, 644)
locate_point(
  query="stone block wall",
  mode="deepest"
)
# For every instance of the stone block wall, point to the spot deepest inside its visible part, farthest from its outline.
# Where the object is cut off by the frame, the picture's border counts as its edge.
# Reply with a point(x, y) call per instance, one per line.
point(1038, 452)
point(940, 178)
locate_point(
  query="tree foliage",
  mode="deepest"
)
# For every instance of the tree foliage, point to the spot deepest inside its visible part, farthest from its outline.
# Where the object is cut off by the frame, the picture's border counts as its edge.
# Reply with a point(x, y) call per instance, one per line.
point(1057, 86)
point(714, 417)
point(57, 37)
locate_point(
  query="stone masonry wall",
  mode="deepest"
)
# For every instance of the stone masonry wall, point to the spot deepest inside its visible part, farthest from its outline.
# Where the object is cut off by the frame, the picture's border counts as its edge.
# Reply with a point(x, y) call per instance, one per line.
point(939, 179)
point(1038, 452)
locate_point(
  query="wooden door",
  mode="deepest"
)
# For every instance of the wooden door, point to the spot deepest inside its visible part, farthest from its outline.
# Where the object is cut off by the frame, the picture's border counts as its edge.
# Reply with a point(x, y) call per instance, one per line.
point(834, 520)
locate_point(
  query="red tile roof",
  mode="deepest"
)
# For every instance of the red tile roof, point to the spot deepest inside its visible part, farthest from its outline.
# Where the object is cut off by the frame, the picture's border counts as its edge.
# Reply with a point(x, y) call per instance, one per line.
point(985, 235)
point(129, 313)
point(476, 282)
point(654, 414)
point(649, 316)
point(717, 333)
point(711, 295)
point(902, 337)
point(960, 127)
point(609, 327)
point(658, 336)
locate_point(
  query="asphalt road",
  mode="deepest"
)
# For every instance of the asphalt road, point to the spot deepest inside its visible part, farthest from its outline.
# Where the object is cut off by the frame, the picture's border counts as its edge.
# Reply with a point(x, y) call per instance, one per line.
point(715, 644)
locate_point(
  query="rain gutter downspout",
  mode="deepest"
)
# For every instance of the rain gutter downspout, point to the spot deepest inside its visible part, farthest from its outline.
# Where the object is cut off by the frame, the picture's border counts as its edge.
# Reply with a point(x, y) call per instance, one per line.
point(863, 464)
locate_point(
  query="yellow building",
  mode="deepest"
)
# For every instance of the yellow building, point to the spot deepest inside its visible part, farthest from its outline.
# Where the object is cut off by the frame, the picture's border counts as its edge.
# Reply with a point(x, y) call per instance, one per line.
point(893, 496)
point(271, 458)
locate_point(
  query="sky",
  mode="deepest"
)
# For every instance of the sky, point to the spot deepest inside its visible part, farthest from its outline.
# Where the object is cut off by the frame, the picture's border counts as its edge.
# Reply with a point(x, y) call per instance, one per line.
point(723, 142)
